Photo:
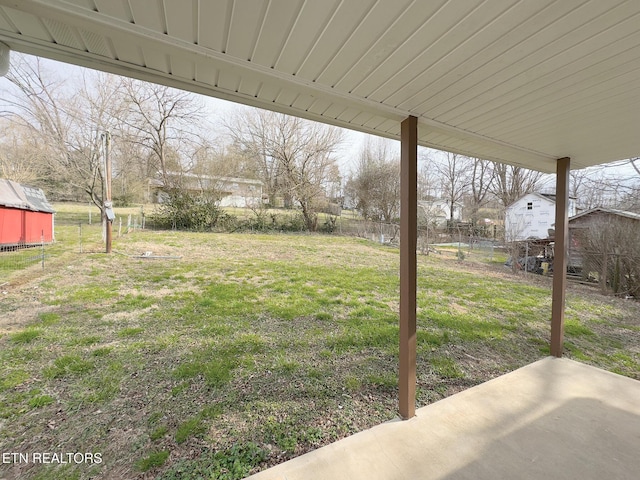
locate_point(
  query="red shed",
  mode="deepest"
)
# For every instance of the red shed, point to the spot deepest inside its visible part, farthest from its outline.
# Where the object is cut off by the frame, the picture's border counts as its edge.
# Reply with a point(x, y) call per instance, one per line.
point(26, 217)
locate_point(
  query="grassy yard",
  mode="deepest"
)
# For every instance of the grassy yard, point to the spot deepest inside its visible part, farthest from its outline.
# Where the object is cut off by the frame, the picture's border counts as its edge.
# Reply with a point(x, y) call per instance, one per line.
point(249, 350)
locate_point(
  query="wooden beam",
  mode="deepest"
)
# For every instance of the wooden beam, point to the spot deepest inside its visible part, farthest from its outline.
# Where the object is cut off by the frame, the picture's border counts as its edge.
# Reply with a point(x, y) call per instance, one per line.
point(408, 277)
point(560, 256)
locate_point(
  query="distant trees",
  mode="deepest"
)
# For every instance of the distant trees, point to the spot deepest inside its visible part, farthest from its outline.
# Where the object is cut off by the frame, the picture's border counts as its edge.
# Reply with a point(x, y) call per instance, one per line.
point(53, 138)
point(455, 176)
point(510, 182)
point(58, 126)
point(294, 158)
point(164, 123)
point(66, 125)
point(482, 175)
point(21, 155)
point(375, 184)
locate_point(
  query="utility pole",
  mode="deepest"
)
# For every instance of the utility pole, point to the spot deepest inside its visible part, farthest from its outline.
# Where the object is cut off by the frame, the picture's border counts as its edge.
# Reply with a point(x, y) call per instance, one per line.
point(108, 205)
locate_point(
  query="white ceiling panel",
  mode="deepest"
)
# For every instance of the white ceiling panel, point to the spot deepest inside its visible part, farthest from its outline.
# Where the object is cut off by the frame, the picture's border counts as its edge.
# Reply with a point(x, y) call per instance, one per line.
point(286, 97)
point(319, 106)
point(303, 102)
point(149, 14)
point(334, 38)
point(304, 33)
point(269, 92)
point(247, 17)
point(539, 55)
point(155, 59)
point(229, 81)
point(459, 38)
point(249, 86)
point(206, 74)
point(376, 18)
point(182, 20)
point(182, 67)
point(334, 110)
point(487, 44)
point(272, 35)
point(115, 9)
point(545, 91)
point(213, 24)
point(28, 26)
point(522, 82)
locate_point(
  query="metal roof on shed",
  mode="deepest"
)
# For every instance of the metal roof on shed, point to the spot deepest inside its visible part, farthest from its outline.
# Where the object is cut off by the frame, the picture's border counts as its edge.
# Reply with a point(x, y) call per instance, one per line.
point(15, 195)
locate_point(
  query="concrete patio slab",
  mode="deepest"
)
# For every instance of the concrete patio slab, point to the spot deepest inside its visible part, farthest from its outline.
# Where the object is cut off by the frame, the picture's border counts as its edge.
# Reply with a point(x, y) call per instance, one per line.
point(553, 419)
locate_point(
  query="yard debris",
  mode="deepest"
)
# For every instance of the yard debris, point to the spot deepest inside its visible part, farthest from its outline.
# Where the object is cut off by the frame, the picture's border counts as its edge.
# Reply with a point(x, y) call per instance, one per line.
point(149, 254)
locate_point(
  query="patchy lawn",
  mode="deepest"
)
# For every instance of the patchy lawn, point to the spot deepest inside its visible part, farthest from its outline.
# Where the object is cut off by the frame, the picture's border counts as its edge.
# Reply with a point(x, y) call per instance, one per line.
point(252, 349)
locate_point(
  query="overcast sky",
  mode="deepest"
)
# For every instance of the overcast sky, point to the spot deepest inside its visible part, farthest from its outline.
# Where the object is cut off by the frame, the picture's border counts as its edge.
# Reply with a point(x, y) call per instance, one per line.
point(346, 156)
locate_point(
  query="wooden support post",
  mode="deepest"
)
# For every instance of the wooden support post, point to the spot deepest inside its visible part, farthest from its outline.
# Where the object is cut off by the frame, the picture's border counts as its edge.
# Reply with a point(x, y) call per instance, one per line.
point(560, 256)
point(107, 200)
point(408, 277)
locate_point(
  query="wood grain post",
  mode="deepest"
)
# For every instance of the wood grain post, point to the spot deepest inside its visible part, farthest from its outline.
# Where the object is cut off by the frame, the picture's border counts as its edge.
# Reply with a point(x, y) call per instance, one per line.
point(560, 256)
point(408, 277)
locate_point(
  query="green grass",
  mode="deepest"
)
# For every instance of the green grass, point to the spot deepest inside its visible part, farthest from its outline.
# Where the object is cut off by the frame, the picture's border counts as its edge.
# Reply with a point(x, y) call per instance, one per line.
point(446, 367)
point(158, 433)
point(68, 365)
point(26, 336)
point(40, 401)
point(233, 463)
point(153, 460)
point(252, 349)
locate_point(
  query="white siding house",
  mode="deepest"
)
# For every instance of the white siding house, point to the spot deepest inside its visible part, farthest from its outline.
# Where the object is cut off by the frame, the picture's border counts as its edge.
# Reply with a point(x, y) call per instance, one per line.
point(438, 212)
point(234, 192)
point(532, 216)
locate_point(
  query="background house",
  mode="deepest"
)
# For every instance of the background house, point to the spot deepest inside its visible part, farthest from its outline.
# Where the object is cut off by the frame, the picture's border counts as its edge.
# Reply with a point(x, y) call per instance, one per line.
point(532, 216)
point(26, 217)
point(233, 192)
point(437, 212)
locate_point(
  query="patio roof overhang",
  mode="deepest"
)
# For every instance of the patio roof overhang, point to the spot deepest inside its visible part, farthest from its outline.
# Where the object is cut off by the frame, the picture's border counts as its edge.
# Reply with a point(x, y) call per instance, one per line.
point(523, 83)
point(547, 85)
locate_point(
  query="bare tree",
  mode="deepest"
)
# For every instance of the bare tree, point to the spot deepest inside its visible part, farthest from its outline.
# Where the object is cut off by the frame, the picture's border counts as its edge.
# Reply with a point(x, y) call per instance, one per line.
point(455, 176)
point(252, 133)
point(166, 123)
point(294, 157)
point(428, 180)
point(481, 178)
point(511, 182)
point(66, 123)
point(375, 185)
point(21, 155)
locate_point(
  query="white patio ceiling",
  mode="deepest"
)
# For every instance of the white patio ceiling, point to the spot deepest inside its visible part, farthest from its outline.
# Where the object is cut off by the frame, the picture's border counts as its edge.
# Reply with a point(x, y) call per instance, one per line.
point(521, 82)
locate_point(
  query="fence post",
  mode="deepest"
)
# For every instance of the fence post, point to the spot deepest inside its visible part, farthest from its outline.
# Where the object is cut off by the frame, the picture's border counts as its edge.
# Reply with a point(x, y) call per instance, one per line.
point(80, 235)
point(42, 243)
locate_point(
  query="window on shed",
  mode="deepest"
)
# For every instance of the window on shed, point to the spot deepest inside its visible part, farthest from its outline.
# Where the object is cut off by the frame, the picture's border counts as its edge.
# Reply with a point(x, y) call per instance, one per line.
point(530, 206)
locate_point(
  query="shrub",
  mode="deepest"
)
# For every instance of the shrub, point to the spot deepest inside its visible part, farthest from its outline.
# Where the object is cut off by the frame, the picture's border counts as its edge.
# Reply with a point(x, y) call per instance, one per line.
point(185, 211)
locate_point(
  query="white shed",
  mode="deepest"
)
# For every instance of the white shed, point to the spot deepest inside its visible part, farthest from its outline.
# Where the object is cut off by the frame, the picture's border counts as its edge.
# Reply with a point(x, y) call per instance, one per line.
point(532, 216)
